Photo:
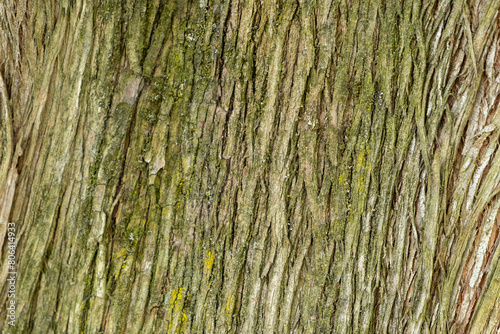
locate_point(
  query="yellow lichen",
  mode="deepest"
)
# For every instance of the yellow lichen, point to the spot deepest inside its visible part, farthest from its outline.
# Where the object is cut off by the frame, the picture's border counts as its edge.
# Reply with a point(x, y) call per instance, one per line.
point(176, 307)
point(361, 159)
point(229, 303)
point(176, 296)
point(209, 261)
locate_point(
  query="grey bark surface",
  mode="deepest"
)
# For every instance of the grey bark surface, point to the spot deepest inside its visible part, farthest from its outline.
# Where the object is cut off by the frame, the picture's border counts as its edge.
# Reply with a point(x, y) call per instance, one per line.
point(248, 166)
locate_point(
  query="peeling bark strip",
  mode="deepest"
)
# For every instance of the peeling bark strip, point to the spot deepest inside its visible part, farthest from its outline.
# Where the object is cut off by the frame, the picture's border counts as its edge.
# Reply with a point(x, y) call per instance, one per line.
point(245, 166)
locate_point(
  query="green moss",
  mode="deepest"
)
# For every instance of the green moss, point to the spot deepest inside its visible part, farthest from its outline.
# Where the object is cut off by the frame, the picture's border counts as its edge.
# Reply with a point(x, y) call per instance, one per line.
point(87, 297)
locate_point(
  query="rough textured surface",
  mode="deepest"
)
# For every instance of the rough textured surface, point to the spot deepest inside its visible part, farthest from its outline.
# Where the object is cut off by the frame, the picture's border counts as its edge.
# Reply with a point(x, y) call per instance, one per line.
point(247, 166)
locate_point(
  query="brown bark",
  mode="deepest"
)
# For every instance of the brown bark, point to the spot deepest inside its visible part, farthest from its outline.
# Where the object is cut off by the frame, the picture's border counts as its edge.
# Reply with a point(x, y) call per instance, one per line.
point(251, 166)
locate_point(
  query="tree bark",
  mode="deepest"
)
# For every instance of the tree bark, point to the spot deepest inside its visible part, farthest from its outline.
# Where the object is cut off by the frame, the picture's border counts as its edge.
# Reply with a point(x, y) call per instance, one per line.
point(250, 166)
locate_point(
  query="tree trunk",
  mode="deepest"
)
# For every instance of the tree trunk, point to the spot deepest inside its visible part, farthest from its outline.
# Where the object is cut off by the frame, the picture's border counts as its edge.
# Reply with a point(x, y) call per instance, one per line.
point(250, 166)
